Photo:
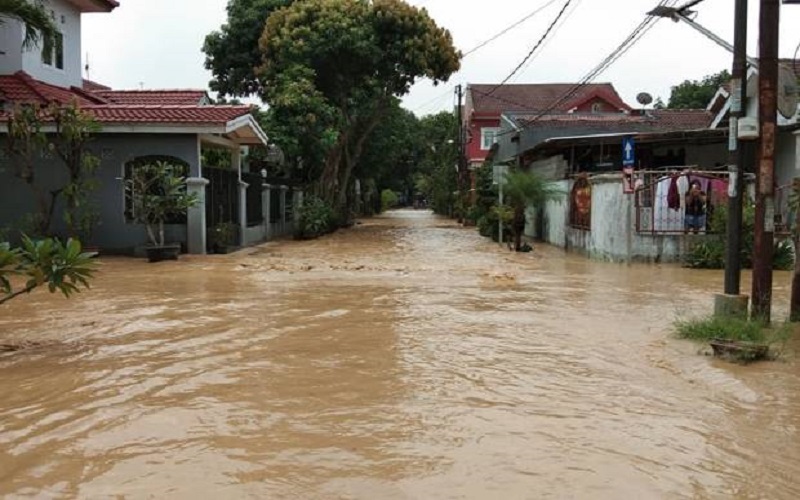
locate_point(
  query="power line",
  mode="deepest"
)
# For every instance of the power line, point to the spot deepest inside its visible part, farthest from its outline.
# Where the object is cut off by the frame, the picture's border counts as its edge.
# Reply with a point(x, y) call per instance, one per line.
point(508, 28)
point(637, 33)
point(535, 47)
point(436, 99)
point(690, 4)
point(620, 50)
point(550, 39)
point(484, 44)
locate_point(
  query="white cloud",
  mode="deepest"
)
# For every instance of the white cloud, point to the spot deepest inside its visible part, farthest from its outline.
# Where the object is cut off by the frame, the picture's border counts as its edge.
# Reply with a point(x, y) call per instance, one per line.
point(158, 44)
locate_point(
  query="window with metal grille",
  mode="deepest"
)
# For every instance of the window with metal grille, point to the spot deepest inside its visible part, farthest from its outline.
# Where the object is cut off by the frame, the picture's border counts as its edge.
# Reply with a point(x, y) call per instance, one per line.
point(181, 167)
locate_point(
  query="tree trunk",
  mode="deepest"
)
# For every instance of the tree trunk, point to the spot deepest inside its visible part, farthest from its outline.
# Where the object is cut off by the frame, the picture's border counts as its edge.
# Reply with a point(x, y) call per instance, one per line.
point(794, 310)
point(329, 180)
point(351, 158)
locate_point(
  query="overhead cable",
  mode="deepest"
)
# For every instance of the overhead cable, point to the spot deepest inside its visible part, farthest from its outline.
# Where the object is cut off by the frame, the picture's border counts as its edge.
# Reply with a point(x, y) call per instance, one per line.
point(535, 47)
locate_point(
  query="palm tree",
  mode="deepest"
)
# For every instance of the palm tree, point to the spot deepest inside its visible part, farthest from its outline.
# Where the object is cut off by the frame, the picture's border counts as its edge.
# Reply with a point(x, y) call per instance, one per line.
point(523, 189)
point(38, 24)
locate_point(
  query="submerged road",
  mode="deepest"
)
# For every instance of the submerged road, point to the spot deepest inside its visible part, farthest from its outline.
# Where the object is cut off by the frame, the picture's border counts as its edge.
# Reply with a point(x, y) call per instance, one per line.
point(404, 358)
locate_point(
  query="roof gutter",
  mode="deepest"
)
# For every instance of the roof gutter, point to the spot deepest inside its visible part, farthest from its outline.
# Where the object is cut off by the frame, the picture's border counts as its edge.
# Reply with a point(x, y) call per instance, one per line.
point(247, 121)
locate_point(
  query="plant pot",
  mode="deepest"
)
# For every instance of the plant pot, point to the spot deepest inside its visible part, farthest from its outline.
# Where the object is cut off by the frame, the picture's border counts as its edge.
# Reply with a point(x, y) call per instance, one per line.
point(167, 252)
point(739, 349)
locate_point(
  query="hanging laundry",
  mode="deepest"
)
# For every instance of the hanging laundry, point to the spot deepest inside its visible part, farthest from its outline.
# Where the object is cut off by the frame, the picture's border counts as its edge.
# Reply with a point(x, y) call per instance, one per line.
point(674, 195)
point(666, 219)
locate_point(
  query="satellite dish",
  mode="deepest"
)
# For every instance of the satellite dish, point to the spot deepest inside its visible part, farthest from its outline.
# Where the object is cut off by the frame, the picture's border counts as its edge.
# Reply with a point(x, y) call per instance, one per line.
point(787, 92)
point(644, 98)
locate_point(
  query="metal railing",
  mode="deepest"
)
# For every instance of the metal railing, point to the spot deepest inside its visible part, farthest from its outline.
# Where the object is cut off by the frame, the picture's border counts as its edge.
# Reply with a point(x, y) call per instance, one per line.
point(660, 199)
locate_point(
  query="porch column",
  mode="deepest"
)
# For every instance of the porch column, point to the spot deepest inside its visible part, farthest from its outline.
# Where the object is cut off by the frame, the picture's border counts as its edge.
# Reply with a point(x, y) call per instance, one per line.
point(196, 216)
point(266, 190)
point(243, 212)
point(236, 160)
point(283, 209)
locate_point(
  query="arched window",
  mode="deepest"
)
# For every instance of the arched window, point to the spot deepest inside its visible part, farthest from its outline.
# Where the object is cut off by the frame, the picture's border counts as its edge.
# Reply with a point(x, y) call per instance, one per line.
point(139, 161)
point(597, 107)
point(580, 204)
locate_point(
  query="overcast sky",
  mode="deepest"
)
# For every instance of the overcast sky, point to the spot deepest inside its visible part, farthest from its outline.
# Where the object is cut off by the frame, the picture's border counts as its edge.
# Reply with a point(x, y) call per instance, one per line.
point(157, 44)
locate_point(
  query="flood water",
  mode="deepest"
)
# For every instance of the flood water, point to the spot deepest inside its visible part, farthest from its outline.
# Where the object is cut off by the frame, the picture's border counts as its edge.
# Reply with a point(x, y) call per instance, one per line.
point(405, 358)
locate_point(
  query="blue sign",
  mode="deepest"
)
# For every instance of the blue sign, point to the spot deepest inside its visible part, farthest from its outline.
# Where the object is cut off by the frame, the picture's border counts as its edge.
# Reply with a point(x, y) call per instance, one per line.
point(628, 152)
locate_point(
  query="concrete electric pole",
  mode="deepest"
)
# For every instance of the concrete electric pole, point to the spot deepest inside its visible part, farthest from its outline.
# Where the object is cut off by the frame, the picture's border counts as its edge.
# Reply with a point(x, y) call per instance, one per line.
point(769, 22)
point(732, 302)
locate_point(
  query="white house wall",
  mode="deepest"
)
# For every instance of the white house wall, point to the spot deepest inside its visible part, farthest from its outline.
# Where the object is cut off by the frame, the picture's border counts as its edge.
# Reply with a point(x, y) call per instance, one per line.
point(554, 219)
point(613, 236)
point(68, 22)
point(10, 47)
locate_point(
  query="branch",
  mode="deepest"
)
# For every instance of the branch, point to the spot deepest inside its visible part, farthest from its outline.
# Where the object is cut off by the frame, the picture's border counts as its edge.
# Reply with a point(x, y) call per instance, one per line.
point(13, 295)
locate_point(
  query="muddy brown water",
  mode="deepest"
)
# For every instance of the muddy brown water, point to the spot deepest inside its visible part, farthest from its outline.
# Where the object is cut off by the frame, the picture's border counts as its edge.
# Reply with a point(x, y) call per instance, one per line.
point(405, 358)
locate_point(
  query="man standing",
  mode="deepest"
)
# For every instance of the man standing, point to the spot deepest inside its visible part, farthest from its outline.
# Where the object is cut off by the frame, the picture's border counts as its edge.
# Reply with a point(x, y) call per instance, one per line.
point(695, 217)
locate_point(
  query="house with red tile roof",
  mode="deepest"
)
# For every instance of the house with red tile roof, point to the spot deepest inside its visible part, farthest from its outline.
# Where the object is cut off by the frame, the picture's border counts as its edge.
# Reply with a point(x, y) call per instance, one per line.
point(486, 103)
point(573, 135)
point(524, 137)
point(133, 124)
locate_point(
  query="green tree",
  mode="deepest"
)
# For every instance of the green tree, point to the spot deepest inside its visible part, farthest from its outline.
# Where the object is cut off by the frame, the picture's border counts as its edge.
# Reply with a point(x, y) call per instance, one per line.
point(157, 192)
point(26, 143)
point(331, 71)
point(38, 25)
point(524, 189)
point(696, 94)
point(232, 52)
point(62, 267)
point(392, 154)
point(439, 154)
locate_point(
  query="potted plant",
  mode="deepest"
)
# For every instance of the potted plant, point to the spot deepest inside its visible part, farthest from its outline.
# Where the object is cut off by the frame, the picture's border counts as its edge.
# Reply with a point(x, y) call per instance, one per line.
point(221, 237)
point(158, 191)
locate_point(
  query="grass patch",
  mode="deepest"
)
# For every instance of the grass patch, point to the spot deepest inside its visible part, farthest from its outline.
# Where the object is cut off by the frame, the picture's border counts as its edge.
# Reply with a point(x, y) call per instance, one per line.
point(738, 330)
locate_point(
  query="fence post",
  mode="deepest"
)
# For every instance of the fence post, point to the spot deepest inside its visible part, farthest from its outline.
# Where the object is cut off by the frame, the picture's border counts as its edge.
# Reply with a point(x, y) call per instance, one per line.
point(196, 216)
point(284, 189)
point(298, 202)
point(265, 209)
point(243, 212)
point(266, 195)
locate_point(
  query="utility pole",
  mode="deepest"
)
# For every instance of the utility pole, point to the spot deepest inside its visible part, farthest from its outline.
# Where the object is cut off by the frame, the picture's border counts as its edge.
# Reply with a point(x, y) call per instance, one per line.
point(460, 165)
point(769, 22)
point(736, 161)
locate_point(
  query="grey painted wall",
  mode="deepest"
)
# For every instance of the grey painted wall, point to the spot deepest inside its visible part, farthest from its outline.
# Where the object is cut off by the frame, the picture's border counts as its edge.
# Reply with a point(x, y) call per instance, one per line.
point(613, 236)
point(114, 234)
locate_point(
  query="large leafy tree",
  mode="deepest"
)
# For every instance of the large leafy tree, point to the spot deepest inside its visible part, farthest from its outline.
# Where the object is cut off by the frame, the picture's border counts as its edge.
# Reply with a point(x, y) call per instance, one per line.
point(436, 174)
point(332, 69)
point(696, 94)
point(26, 143)
point(232, 52)
point(38, 24)
point(393, 152)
